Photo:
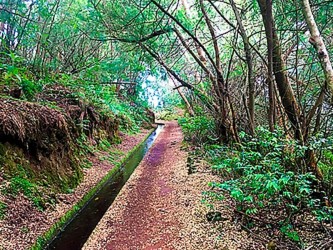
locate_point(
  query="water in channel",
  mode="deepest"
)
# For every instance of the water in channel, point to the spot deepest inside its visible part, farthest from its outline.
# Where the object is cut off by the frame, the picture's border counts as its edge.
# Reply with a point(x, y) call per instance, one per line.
point(78, 230)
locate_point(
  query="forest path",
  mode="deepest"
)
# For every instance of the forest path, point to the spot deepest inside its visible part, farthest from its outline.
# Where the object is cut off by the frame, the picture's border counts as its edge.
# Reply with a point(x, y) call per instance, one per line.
point(144, 215)
point(160, 206)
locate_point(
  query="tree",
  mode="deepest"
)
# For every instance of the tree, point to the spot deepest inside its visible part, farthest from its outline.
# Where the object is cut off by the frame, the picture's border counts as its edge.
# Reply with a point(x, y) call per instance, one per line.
point(317, 41)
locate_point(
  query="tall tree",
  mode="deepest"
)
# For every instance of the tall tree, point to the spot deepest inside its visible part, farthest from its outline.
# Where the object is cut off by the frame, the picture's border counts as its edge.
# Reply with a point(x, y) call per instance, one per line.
point(281, 77)
point(317, 41)
point(248, 54)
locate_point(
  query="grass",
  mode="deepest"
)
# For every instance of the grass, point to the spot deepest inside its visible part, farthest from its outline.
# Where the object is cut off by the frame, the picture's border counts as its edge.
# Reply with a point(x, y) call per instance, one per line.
point(45, 239)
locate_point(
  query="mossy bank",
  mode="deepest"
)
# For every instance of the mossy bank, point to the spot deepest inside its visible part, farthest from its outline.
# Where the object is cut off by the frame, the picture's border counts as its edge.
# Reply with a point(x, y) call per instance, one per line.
point(45, 150)
point(47, 238)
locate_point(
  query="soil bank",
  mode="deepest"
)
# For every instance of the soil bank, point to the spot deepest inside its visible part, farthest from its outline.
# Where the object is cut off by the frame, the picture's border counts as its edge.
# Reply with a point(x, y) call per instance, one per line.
point(24, 222)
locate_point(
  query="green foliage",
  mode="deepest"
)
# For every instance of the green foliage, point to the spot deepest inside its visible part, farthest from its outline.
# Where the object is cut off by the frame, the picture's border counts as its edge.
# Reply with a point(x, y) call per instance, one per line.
point(114, 156)
point(198, 129)
point(130, 111)
point(84, 145)
point(86, 163)
point(168, 114)
point(104, 145)
point(263, 173)
point(3, 209)
point(29, 189)
point(131, 117)
point(291, 234)
point(30, 88)
point(15, 74)
point(323, 146)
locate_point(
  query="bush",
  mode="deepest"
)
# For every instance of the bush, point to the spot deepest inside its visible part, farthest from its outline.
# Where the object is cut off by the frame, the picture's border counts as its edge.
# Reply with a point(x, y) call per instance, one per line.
point(198, 129)
point(168, 114)
point(16, 75)
point(324, 149)
point(264, 173)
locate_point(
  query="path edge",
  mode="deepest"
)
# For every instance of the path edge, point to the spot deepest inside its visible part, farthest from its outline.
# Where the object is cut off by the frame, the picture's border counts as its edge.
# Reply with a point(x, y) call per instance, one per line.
point(45, 239)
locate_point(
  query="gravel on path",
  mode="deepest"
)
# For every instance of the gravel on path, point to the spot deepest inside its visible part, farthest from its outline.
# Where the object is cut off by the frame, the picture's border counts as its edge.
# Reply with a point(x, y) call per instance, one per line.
point(160, 206)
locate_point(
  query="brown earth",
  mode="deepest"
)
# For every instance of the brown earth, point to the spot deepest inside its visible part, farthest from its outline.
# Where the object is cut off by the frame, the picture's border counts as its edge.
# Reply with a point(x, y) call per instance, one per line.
point(160, 206)
point(24, 222)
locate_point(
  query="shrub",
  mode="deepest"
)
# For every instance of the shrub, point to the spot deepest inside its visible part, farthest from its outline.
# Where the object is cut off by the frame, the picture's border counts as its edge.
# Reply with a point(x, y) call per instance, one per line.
point(264, 172)
point(198, 129)
point(168, 114)
point(324, 149)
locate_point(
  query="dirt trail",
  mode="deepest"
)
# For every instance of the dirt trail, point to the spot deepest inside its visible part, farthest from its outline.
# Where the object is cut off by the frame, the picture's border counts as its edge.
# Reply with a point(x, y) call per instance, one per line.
point(142, 217)
point(160, 206)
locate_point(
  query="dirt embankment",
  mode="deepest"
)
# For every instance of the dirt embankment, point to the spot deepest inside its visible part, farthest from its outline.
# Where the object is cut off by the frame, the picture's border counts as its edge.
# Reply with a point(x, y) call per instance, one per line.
point(24, 222)
point(47, 164)
point(42, 136)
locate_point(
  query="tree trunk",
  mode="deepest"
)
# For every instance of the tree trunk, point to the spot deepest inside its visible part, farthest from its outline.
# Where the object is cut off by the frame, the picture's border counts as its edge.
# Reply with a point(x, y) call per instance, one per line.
point(188, 14)
point(219, 85)
point(318, 43)
point(285, 91)
point(181, 94)
point(249, 66)
point(270, 79)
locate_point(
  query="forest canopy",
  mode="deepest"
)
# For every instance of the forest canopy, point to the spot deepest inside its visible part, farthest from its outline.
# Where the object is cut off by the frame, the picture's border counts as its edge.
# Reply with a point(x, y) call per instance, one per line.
point(254, 76)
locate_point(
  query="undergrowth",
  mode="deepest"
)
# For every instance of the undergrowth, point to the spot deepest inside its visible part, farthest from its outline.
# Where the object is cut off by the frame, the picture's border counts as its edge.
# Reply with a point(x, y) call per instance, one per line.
point(198, 130)
point(168, 114)
point(29, 189)
point(264, 174)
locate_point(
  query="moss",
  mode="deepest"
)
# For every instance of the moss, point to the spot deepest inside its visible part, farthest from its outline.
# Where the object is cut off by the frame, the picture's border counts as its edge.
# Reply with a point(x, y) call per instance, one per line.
point(38, 184)
point(14, 162)
point(2, 149)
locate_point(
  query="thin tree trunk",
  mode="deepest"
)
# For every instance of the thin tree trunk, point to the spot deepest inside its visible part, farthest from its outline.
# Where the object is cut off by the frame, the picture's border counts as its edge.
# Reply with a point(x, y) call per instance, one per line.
point(201, 95)
point(225, 129)
point(266, 12)
point(318, 43)
point(181, 94)
point(249, 66)
point(188, 14)
point(285, 91)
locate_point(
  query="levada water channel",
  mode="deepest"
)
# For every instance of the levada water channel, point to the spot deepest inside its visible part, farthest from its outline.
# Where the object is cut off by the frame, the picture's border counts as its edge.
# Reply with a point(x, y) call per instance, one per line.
point(77, 231)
